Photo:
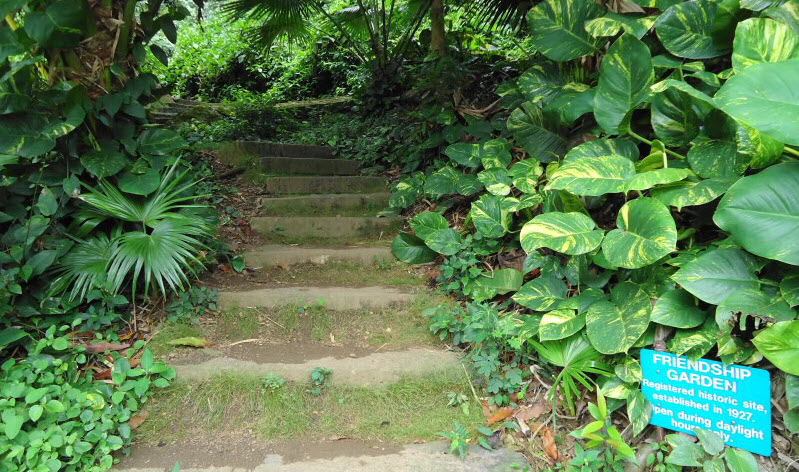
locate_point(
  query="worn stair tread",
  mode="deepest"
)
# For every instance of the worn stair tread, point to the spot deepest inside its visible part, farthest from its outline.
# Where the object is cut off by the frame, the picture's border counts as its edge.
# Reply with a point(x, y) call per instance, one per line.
point(334, 298)
point(308, 165)
point(379, 368)
point(307, 185)
point(322, 227)
point(335, 204)
point(320, 456)
point(266, 148)
point(277, 254)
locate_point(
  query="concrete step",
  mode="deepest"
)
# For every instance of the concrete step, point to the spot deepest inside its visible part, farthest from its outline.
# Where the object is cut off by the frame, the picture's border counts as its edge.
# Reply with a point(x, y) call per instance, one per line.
point(306, 165)
point(379, 368)
point(326, 226)
point(334, 298)
point(331, 184)
point(339, 455)
point(263, 148)
point(325, 204)
point(276, 254)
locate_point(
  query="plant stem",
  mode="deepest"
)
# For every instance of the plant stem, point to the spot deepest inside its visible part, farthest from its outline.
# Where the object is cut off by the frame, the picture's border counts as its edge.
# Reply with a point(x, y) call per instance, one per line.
point(791, 150)
point(644, 140)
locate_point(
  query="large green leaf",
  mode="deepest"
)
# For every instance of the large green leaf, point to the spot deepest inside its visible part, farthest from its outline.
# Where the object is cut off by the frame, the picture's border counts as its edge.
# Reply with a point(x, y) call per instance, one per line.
point(557, 28)
point(445, 241)
point(496, 180)
point(614, 326)
point(560, 324)
point(779, 343)
point(675, 117)
point(695, 342)
point(686, 30)
point(717, 274)
point(762, 150)
point(646, 232)
point(497, 282)
point(691, 193)
point(751, 302)
point(9, 43)
point(625, 76)
point(569, 233)
point(160, 142)
point(787, 13)
point(490, 216)
point(408, 248)
point(541, 83)
point(542, 293)
point(604, 147)
point(717, 158)
point(789, 289)
point(613, 23)
point(677, 308)
point(426, 222)
point(759, 40)
point(104, 162)
point(593, 175)
point(791, 391)
point(528, 127)
point(761, 212)
point(449, 180)
point(62, 24)
point(754, 96)
point(140, 184)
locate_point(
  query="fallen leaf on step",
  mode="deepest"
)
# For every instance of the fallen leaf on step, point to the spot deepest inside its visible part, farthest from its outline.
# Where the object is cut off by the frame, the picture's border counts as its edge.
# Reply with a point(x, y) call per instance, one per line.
point(549, 443)
point(103, 346)
point(283, 265)
point(530, 412)
point(500, 415)
point(189, 341)
point(136, 420)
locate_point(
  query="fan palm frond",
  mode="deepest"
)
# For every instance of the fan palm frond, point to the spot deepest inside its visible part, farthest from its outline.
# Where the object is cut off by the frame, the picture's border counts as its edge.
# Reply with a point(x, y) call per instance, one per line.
point(84, 266)
point(490, 14)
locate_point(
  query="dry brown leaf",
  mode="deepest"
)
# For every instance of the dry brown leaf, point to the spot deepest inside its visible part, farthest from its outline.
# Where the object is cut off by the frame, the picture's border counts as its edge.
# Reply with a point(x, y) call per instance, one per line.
point(549, 443)
point(136, 420)
point(103, 346)
point(500, 415)
point(487, 410)
point(530, 412)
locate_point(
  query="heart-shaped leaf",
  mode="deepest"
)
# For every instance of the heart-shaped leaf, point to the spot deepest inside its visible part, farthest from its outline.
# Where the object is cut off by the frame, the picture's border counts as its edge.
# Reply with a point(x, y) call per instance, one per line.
point(557, 28)
point(568, 233)
point(560, 324)
point(759, 40)
point(445, 241)
point(717, 274)
point(525, 175)
point(646, 232)
point(676, 117)
point(593, 175)
point(686, 30)
point(604, 147)
point(408, 248)
point(614, 326)
point(490, 216)
point(677, 308)
point(542, 293)
point(690, 193)
point(526, 123)
point(647, 180)
point(426, 222)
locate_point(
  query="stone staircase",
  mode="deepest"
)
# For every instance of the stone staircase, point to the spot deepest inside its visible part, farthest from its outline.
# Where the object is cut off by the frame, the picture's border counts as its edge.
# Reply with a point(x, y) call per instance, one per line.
point(309, 189)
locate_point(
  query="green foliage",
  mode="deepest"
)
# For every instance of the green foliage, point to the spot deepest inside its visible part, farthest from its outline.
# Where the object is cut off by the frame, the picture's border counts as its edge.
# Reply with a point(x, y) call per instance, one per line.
point(458, 439)
point(709, 453)
point(190, 305)
point(604, 438)
point(273, 381)
point(320, 378)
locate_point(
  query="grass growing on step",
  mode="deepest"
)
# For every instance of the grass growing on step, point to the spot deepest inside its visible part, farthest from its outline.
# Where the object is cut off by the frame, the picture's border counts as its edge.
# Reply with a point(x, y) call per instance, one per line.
point(385, 273)
point(159, 343)
point(411, 409)
point(276, 237)
point(366, 209)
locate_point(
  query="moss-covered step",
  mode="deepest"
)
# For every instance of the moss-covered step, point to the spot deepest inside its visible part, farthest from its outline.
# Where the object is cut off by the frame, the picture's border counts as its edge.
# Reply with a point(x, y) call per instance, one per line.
point(325, 227)
point(306, 165)
point(333, 298)
point(330, 184)
point(263, 148)
point(339, 204)
point(272, 255)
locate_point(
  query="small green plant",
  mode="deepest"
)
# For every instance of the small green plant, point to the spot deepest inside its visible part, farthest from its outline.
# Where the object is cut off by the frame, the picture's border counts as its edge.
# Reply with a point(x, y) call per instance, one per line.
point(603, 437)
point(709, 452)
point(320, 378)
point(455, 399)
point(458, 439)
point(273, 381)
point(191, 305)
point(656, 460)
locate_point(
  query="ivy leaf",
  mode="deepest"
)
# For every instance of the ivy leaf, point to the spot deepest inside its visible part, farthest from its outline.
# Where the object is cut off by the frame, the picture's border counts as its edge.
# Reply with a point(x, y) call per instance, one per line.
point(560, 324)
point(691, 193)
point(760, 209)
point(686, 30)
point(717, 274)
point(614, 326)
point(593, 175)
point(412, 250)
point(426, 222)
point(646, 232)
point(753, 95)
point(569, 233)
point(625, 76)
point(445, 241)
point(526, 123)
point(496, 180)
point(759, 40)
point(676, 118)
point(525, 175)
point(779, 343)
point(557, 28)
point(542, 293)
point(490, 216)
point(62, 24)
point(677, 308)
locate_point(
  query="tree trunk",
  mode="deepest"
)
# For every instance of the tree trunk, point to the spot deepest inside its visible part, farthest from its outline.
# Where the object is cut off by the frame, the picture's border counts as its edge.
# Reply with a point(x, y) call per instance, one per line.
point(438, 38)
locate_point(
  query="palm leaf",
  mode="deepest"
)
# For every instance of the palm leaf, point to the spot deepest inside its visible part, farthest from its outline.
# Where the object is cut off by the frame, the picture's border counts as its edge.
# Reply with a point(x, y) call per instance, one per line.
point(84, 267)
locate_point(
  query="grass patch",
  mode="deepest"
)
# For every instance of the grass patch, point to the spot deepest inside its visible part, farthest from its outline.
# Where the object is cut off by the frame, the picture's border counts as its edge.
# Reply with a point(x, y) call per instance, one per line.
point(389, 273)
point(159, 343)
point(411, 409)
point(368, 209)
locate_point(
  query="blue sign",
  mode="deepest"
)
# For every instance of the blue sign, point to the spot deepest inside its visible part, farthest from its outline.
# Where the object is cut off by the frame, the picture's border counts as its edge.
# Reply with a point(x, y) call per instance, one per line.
point(731, 400)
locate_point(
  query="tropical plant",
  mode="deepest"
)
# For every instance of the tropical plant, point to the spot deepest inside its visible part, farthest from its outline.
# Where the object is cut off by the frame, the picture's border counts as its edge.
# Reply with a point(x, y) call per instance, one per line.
point(708, 453)
point(601, 435)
